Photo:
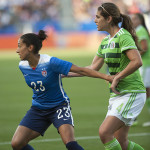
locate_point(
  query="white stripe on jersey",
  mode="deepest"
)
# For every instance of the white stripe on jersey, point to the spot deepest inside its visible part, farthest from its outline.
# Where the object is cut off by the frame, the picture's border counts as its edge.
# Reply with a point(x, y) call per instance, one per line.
point(120, 32)
point(129, 47)
point(71, 114)
point(62, 89)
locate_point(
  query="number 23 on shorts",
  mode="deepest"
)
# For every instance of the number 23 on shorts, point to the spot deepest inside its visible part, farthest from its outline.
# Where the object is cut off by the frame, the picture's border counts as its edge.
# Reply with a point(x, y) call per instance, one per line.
point(63, 113)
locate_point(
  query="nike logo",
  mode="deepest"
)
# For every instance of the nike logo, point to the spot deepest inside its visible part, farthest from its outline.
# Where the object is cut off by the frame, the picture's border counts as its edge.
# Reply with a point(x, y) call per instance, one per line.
point(65, 119)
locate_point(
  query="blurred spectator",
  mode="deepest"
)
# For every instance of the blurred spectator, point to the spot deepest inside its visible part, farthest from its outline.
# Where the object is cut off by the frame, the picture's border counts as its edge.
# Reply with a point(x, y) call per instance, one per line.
point(18, 16)
point(26, 15)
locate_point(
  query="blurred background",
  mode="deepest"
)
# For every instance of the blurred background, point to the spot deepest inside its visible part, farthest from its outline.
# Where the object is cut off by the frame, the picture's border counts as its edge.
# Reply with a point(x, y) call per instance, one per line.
point(73, 36)
point(69, 23)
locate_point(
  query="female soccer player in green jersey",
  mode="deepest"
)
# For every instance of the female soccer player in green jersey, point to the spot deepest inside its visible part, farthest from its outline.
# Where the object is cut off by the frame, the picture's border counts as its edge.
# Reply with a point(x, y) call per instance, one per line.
point(119, 50)
point(144, 42)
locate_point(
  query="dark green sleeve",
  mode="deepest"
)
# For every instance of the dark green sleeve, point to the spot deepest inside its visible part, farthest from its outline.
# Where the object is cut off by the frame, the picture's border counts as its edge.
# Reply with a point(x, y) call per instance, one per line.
point(99, 52)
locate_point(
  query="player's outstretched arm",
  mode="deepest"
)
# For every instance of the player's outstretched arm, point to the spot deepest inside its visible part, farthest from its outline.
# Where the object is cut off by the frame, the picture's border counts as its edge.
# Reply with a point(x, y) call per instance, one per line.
point(90, 73)
point(97, 63)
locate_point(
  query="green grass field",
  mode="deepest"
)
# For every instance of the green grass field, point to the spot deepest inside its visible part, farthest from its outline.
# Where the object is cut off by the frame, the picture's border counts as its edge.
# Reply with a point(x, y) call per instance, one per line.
point(89, 100)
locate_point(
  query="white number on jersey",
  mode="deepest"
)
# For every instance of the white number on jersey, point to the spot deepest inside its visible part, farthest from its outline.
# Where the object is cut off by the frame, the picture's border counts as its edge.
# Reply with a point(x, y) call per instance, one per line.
point(42, 88)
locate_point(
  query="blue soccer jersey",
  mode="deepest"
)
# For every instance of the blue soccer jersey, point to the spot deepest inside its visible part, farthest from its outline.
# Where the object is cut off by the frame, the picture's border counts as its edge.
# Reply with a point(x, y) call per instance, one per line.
point(45, 81)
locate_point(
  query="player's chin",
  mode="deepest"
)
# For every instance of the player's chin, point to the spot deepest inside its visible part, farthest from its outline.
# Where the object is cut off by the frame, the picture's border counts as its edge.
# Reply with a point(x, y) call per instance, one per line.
point(98, 29)
point(21, 58)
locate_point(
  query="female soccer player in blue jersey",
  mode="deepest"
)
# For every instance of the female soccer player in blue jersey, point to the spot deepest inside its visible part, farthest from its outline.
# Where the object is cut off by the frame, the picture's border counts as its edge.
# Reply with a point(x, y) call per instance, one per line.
point(119, 50)
point(50, 104)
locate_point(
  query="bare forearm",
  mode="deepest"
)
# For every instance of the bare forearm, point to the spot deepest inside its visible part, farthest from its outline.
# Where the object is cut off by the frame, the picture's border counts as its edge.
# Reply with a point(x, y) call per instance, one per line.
point(72, 74)
point(131, 67)
point(135, 63)
point(96, 65)
point(92, 73)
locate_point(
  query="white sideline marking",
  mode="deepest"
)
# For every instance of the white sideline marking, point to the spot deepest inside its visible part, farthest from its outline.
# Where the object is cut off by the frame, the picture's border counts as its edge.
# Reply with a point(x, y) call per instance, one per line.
point(77, 138)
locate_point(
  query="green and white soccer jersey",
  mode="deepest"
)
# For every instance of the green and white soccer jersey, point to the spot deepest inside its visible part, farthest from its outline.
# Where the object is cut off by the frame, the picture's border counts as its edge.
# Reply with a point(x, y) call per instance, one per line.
point(113, 52)
point(143, 35)
point(145, 69)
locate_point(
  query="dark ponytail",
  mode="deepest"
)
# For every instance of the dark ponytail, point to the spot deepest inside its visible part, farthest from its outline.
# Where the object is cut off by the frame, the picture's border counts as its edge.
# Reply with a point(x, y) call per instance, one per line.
point(110, 9)
point(42, 35)
point(34, 39)
point(128, 25)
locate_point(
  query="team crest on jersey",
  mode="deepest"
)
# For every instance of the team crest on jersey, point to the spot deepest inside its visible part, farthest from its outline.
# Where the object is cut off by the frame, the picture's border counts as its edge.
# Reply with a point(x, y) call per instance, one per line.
point(44, 73)
point(112, 45)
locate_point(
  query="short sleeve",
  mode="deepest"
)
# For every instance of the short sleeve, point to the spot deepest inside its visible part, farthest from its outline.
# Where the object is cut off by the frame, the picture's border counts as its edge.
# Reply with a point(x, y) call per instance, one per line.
point(127, 42)
point(60, 66)
point(99, 52)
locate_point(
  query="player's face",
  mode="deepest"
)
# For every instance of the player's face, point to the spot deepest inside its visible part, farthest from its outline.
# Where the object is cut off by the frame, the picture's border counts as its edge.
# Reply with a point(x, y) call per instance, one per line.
point(100, 22)
point(22, 50)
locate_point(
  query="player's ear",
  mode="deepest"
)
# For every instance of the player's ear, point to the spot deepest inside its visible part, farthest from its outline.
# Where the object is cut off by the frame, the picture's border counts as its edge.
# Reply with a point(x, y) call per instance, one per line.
point(31, 47)
point(109, 19)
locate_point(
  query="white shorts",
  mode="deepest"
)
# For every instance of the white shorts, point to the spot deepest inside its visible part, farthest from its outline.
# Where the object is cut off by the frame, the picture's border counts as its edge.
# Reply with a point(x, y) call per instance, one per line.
point(126, 107)
point(145, 73)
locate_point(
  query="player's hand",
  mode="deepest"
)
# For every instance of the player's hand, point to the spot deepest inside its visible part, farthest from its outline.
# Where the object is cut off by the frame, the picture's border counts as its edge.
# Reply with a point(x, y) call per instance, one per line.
point(63, 76)
point(114, 85)
point(110, 78)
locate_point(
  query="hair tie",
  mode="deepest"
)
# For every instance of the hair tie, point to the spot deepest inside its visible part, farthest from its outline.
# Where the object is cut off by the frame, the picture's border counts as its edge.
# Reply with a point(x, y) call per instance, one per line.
point(121, 19)
point(121, 22)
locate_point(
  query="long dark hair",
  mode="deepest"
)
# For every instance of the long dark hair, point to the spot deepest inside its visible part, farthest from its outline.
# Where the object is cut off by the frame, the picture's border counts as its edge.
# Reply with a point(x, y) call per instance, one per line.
point(34, 39)
point(110, 9)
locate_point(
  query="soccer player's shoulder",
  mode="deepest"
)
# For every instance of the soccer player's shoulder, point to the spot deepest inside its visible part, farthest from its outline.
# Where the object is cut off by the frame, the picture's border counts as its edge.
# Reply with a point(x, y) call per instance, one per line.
point(106, 38)
point(23, 63)
point(45, 58)
point(123, 32)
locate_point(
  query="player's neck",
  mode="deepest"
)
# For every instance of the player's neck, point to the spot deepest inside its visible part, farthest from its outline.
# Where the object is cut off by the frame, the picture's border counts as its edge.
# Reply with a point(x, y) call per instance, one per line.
point(34, 60)
point(113, 31)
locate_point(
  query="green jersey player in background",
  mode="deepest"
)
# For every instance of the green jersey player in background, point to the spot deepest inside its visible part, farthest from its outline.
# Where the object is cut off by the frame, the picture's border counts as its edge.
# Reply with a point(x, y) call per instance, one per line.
point(144, 42)
point(119, 50)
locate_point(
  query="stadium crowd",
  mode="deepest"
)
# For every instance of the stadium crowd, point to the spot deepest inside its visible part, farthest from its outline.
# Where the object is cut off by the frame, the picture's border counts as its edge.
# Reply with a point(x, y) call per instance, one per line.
point(15, 15)
point(31, 15)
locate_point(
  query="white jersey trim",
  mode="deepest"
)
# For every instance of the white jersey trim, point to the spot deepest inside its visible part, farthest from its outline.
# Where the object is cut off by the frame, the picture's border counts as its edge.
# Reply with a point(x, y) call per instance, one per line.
point(44, 58)
point(24, 63)
point(62, 89)
point(128, 47)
